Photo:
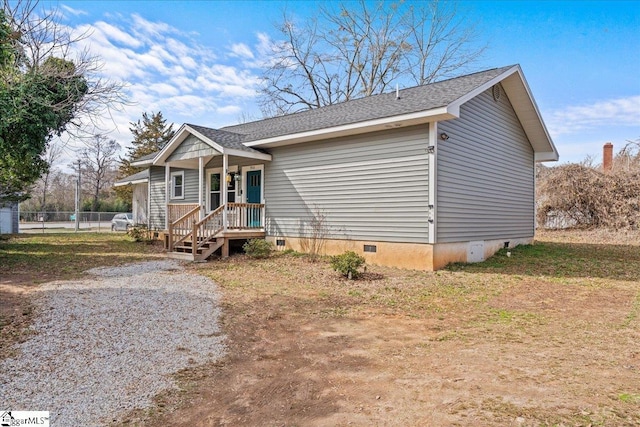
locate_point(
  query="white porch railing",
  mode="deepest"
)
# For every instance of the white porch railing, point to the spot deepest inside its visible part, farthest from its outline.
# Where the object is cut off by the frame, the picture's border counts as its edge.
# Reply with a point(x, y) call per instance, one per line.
point(188, 227)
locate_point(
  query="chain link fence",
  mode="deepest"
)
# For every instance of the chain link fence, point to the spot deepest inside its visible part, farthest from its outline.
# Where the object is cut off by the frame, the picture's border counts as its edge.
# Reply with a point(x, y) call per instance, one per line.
point(98, 221)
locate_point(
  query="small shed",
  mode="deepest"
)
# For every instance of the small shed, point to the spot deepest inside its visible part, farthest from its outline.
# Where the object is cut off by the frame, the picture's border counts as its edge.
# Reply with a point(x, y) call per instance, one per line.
point(9, 218)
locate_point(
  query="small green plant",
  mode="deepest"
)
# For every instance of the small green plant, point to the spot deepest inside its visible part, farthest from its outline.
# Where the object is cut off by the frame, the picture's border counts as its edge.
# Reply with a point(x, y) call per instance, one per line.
point(258, 248)
point(347, 264)
point(293, 253)
point(629, 397)
point(140, 233)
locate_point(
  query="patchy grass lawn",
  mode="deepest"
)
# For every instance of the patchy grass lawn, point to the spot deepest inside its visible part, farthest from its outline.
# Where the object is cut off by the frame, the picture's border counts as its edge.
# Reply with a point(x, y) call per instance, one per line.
point(549, 336)
point(27, 260)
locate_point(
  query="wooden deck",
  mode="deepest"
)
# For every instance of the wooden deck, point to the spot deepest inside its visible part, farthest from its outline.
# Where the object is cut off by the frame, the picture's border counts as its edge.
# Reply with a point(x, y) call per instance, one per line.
point(194, 238)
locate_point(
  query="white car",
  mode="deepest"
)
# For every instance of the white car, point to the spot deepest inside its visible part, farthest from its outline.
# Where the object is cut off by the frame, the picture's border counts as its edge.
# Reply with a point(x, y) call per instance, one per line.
point(122, 222)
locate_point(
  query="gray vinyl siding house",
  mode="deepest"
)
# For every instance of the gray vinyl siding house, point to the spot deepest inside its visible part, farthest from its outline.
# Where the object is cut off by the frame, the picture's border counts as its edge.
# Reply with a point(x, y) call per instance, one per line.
point(416, 178)
point(361, 183)
point(485, 177)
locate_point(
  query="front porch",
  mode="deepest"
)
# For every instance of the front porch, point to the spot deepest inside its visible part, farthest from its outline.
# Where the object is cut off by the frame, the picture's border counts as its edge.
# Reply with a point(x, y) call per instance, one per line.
point(190, 236)
point(213, 192)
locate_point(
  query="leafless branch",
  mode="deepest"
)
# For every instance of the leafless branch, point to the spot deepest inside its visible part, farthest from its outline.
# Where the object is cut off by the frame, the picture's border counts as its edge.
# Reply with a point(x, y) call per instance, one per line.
point(361, 48)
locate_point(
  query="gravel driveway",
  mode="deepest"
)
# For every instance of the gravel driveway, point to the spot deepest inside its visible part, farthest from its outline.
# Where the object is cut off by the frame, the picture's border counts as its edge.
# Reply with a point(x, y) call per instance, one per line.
point(108, 344)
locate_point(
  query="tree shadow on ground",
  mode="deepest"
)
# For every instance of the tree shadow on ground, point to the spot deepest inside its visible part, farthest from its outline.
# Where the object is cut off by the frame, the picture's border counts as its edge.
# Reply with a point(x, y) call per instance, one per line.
point(28, 260)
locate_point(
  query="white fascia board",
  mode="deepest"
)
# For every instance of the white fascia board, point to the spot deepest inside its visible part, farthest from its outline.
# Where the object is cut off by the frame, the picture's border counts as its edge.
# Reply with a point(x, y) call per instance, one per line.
point(171, 145)
point(182, 134)
point(137, 181)
point(547, 156)
point(542, 127)
point(455, 105)
point(186, 130)
point(532, 122)
point(143, 163)
point(441, 113)
point(219, 148)
point(248, 154)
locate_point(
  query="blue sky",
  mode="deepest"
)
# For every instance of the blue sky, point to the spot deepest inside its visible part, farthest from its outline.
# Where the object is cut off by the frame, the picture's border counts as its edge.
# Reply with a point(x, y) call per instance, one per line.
point(199, 61)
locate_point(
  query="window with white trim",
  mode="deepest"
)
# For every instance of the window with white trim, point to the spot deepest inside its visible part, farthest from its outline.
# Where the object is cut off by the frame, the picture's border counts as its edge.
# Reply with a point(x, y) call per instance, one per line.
point(177, 185)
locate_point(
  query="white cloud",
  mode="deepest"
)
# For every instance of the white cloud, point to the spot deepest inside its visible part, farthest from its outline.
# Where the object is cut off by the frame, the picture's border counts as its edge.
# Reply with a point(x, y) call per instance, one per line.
point(113, 33)
point(164, 89)
point(149, 28)
point(229, 109)
point(612, 112)
point(188, 105)
point(172, 71)
point(241, 50)
point(75, 12)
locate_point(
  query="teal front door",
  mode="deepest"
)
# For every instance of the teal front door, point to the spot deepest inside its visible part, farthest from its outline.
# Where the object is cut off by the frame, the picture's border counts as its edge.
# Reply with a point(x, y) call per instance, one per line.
point(254, 195)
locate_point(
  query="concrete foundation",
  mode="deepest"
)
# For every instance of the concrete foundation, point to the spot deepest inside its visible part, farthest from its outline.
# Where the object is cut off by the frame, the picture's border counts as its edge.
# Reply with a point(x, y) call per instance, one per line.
point(415, 256)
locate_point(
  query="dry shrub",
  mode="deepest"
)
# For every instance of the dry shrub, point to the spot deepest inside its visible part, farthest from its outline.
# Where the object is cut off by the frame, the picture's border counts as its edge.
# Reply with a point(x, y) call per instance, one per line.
point(315, 233)
point(582, 195)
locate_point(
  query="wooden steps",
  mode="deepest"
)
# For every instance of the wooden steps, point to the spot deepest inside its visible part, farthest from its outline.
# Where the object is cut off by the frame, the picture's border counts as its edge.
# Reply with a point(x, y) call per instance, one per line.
point(185, 251)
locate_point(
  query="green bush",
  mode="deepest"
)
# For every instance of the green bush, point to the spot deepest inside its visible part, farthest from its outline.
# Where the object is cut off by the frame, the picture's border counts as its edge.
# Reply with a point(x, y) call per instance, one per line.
point(258, 248)
point(347, 264)
point(291, 252)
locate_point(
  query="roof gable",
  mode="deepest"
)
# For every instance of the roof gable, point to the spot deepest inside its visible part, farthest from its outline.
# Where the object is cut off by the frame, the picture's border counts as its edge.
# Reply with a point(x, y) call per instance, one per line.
point(221, 142)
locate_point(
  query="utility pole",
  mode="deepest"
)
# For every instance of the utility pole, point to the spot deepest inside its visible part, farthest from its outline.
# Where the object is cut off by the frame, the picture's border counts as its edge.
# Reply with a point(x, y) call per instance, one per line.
point(78, 199)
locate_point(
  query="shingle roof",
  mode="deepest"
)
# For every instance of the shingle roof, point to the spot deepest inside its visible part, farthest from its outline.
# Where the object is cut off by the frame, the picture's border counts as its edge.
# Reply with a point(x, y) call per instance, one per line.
point(416, 99)
point(147, 157)
point(224, 138)
point(411, 100)
point(135, 177)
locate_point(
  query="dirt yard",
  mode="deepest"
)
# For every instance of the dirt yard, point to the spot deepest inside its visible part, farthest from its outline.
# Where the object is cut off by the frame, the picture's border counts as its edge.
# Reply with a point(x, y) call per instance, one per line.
point(547, 336)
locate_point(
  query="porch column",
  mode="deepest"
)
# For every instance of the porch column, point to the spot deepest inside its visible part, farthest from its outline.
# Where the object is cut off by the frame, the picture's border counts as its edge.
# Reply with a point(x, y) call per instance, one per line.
point(167, 194)
point(201, 185)
point(223, 179)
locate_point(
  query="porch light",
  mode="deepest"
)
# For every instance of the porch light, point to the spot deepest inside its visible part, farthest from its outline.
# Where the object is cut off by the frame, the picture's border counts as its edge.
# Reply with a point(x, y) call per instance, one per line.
point(228, 178)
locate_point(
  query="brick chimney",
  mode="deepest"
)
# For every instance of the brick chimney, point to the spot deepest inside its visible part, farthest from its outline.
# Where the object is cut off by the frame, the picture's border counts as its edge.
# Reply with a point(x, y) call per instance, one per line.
point(607, 157)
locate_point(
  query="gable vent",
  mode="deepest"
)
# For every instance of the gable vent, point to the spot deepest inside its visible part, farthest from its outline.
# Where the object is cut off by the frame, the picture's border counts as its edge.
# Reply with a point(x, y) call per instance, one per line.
point(497, 92)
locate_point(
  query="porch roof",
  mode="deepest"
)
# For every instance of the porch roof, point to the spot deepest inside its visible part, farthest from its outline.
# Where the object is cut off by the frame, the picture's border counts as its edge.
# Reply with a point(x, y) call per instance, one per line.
point(137, 178)
point(220, 142)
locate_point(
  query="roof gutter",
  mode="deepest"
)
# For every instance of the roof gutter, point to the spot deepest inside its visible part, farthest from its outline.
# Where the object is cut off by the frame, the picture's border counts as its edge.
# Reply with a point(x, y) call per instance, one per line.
point(404, 120)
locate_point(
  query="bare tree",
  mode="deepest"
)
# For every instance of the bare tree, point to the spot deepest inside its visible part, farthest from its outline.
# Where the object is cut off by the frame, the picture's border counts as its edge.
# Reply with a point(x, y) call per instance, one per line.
point(628, 158)
point(98, 162)
point(361, 49)
point(51, 156)
point(50, 49)
point(48, 87)
point(584, 195)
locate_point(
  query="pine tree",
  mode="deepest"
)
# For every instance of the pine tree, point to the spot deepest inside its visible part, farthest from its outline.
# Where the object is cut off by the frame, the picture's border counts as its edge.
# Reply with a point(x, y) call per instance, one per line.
point(149, 136)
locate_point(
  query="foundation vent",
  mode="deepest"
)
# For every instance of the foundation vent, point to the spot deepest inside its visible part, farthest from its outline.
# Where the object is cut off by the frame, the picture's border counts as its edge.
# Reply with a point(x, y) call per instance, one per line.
point(370, 248)
point(280, 242)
